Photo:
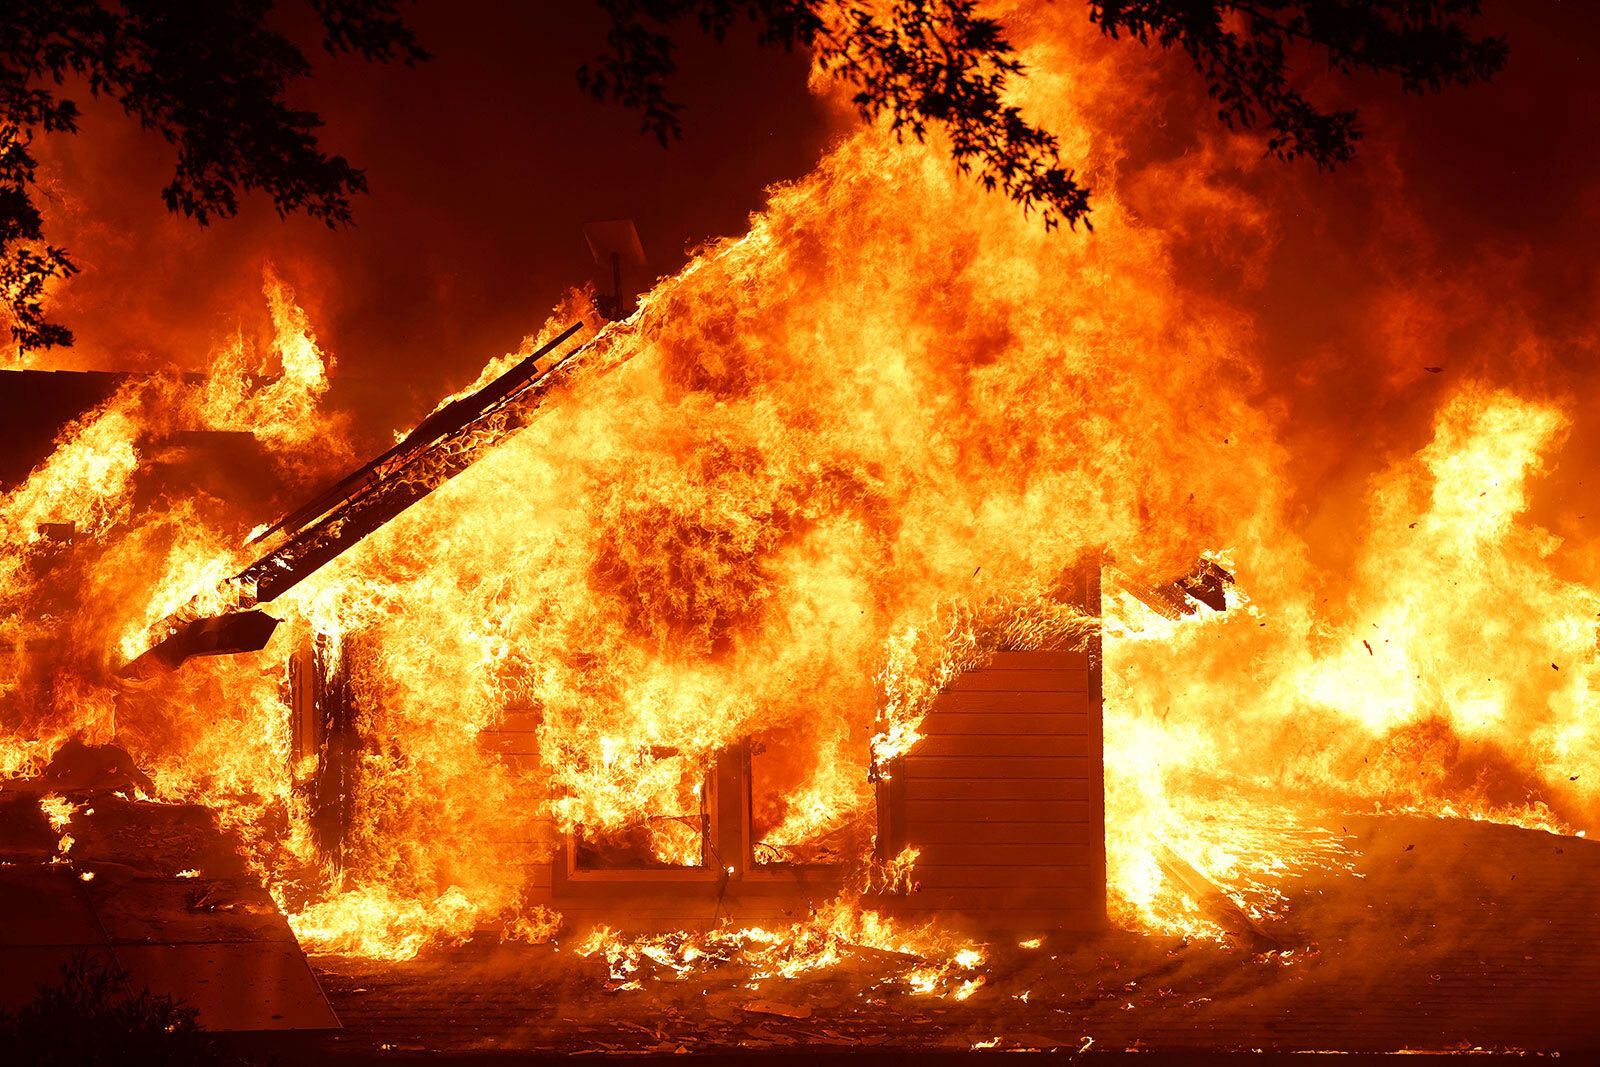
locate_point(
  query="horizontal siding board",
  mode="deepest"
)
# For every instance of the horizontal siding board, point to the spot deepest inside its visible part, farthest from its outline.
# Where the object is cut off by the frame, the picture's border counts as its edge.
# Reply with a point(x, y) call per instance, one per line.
point(982, 745)
point(1061, 877)
point(518, 721)
point(523, 763)
point(633, 916)
point(985, 811)
point(680, 897)
point(1038, 790)
point(1069, 903)
point(509, 743)
point(917, 766)
point(1017, 923)
point(1039, 661)
point(579, 921)
point(1011, 701)
point(944, 832)
point(940, 723)
point(778, 880)
point(989, 854)
point(982, 900)
point(1021, 682)
point(646, 900)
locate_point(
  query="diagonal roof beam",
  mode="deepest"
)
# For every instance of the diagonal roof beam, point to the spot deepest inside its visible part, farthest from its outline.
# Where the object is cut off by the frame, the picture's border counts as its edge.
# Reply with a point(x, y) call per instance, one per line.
point(443, 445)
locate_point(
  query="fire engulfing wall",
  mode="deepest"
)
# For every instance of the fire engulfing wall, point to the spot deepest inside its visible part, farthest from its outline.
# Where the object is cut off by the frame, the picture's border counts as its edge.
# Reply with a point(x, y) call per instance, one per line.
point(847, 455)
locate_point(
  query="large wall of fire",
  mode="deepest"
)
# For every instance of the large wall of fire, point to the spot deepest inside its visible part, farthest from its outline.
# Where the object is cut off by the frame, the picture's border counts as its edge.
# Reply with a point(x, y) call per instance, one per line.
point(848, 448)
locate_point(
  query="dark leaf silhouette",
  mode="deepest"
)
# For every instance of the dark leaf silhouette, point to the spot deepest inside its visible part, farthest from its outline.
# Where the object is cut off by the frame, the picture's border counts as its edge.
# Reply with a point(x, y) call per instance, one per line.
point(940, 63)
point(209, 76)
point(93, 1014)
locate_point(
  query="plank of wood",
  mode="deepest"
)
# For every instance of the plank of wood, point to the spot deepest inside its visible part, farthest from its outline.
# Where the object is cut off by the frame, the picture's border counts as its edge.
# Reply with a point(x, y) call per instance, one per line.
point(755, 889)
point(1037, 790)
point(989, 701)
point(916, 766)
point(941, 723)
point(982, 900)
point(983, 811)
point(962, 832)
point(665, 897)
point(542, 826)
point(792, 874)
point(579, 922)
point(572, 899)
point(987, 681)
point(1017, 922)
point(989, 854)
point(621, 916)
point(1077, 876)
point(509, 743)
point(976, 745)
point(1213, 901)
point(1039, 661)
point(522, 762)
point(518, 721)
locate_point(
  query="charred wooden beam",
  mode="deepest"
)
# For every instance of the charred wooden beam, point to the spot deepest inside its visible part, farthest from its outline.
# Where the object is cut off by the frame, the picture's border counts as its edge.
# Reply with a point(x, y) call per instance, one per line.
point(1206, 584)
point(447, 420)
point(449, 441)
point(443, 445)
point(332, 789)
point(730, 800)
point(325, 739)
point(218, 635)
point(1217, 905)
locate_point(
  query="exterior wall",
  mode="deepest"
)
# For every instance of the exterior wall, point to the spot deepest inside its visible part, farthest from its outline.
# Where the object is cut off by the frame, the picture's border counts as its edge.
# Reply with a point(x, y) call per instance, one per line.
point(1004, 798)
point(729, 886)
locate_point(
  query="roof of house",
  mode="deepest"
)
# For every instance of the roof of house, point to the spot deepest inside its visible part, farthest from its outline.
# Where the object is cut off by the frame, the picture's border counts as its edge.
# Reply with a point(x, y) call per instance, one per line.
point(36, 404)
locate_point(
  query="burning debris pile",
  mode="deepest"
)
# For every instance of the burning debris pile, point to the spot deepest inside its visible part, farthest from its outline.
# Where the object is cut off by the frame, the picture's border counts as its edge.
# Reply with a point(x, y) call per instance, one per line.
point(818, 482)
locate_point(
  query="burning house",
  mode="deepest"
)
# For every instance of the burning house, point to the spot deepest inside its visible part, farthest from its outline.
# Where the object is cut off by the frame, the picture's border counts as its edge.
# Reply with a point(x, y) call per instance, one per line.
point(997, 798)
point(903, 612)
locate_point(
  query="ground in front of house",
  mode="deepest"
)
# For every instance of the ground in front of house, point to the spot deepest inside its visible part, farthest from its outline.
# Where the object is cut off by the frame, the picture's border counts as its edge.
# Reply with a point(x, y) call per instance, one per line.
point(1438, 935)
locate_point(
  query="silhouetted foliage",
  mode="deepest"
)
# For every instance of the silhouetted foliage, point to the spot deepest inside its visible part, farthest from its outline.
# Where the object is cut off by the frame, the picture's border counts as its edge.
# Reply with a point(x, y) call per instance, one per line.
point(91, 1017)
point(1242, 51)
point(209, 76)
point(939, 63)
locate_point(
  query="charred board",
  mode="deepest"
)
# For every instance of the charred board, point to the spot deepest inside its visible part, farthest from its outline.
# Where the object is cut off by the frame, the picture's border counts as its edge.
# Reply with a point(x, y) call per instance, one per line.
point(1004, 796)
point(443, 445)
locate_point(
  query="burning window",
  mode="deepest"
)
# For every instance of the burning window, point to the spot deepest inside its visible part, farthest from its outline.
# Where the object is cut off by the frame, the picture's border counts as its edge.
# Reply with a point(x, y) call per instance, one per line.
point(678, 839)
point(809, 804)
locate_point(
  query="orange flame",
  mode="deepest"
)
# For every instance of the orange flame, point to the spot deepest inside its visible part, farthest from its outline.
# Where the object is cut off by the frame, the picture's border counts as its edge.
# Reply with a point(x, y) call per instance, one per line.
point(841, 459)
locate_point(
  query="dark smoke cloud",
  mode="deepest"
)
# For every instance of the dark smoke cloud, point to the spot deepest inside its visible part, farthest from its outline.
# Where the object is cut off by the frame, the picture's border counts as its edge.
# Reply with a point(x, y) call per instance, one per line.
point(483, 164)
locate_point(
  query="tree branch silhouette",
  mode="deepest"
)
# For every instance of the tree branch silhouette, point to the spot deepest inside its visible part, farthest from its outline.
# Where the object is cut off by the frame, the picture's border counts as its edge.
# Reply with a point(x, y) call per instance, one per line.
point(940, 63)
point(209, 76)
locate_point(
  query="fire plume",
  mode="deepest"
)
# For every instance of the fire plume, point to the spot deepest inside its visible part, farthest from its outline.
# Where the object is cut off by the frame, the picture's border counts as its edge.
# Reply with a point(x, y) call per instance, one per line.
point(833, 463)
